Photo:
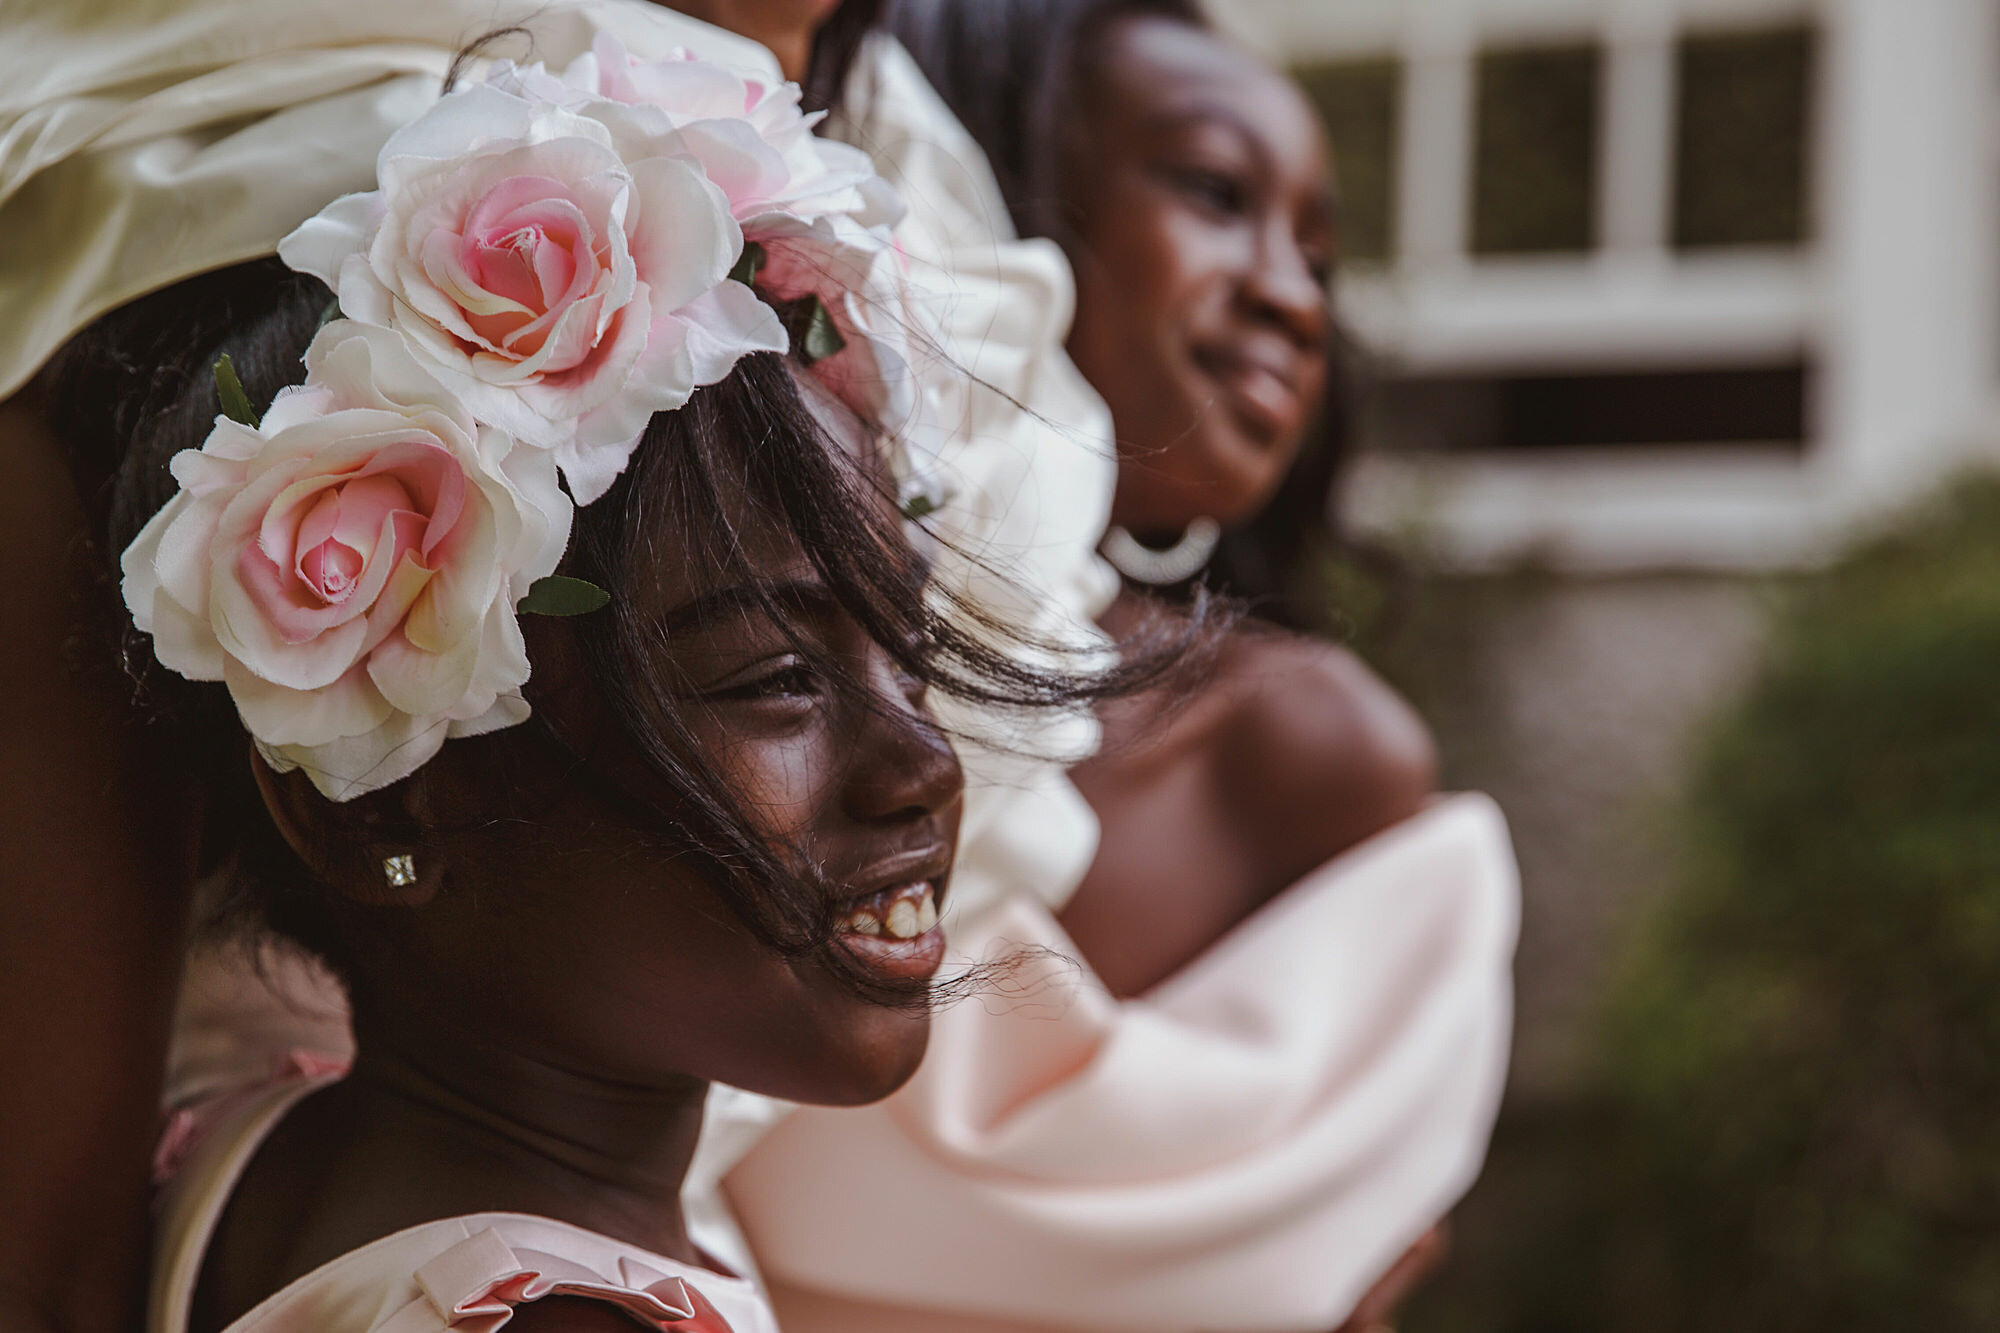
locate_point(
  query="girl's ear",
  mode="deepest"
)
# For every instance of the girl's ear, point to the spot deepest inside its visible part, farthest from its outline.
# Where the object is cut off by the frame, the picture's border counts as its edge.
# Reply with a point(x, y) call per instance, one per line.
point(371, 850)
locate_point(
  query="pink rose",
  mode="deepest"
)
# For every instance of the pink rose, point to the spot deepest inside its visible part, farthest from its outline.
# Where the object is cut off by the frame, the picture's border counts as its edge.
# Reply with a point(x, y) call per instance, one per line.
point(349, 568)
point(816, 206)
point(566, 286)
point(751, 137)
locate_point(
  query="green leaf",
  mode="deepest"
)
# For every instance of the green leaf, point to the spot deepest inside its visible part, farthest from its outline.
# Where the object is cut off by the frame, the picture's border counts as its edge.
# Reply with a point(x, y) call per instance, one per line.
point(749, 264)
point(560, 596)
point(822, 337)
point(328, 315)
point(919, 505)
point(235, 402)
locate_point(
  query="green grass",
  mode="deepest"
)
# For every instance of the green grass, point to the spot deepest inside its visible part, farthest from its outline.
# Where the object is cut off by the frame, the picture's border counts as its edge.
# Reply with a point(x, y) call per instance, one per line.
point(1793, 1118)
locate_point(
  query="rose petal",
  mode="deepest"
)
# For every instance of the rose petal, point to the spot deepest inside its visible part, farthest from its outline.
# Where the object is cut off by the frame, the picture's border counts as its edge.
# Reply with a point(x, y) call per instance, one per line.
point(684, 241)
point(183, 641)
point(723, 326)
point(348, 705)
point(506, 711)
point(323, 243)
point(355, 765)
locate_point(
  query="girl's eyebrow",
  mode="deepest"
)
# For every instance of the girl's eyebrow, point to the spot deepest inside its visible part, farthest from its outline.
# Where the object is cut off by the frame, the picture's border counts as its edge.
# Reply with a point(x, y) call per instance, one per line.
point(750, 597)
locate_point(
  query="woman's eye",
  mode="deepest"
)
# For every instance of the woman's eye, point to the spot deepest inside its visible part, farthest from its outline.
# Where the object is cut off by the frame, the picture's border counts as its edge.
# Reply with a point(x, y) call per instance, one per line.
point(1215, 191)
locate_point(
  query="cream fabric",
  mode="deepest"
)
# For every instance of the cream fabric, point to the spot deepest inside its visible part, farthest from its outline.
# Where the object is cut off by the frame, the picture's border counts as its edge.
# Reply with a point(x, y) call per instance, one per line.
point(145, 141)
point(1249, 1146)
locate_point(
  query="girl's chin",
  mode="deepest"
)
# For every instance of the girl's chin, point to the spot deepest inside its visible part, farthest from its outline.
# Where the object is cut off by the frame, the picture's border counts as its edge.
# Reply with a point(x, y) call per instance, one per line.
point(885, 1057)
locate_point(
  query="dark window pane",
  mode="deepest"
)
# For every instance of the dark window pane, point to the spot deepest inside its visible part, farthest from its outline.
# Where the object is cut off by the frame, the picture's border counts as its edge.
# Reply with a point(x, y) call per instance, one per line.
point(1742, 146)
point(1761, 405)
point(1535, 160)
point(1359, 100)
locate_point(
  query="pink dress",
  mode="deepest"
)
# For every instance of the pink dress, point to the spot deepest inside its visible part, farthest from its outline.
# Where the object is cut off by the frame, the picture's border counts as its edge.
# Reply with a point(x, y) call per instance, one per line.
point(465, 1273)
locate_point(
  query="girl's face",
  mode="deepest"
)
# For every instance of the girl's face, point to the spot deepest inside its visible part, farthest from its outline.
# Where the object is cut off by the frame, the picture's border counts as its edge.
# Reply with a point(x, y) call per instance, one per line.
point(585, 949)
point(1205, 222)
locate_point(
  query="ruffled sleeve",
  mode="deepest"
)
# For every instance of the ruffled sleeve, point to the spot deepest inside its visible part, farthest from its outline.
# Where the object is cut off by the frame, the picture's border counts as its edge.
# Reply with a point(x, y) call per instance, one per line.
point(471, 1274)
point(476, 1285)
point(1248, 1146)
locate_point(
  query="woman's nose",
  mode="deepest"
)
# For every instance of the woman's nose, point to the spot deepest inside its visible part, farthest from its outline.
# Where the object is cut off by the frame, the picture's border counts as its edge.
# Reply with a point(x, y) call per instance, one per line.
point(904, 768)
point(1284, 288)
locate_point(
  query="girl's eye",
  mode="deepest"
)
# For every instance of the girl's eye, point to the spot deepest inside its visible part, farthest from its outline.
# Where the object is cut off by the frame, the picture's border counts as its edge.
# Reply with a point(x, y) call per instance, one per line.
point(785, 678)
point(1215, 191)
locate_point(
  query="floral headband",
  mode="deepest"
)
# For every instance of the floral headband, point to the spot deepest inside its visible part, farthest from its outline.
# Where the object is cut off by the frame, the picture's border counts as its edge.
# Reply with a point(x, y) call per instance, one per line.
point(547, 262)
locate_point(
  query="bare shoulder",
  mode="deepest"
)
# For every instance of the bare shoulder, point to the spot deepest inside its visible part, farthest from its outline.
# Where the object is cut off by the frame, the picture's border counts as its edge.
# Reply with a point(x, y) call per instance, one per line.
point(1314, 737)
point(1291, 754)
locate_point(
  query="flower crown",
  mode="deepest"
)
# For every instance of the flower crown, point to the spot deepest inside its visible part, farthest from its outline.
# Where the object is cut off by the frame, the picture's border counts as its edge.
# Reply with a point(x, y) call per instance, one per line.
point(548, 260)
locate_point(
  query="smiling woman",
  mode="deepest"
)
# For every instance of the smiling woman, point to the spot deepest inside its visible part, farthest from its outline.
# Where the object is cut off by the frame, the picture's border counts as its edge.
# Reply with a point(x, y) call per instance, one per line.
point(1202, 222)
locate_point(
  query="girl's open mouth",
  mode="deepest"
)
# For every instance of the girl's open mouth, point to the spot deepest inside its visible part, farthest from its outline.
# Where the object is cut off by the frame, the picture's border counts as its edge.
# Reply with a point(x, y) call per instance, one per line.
point(895, 932)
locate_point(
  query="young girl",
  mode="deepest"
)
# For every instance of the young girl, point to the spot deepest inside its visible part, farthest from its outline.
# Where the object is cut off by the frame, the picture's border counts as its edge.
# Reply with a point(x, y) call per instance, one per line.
point(293, 103)
point(593, 380)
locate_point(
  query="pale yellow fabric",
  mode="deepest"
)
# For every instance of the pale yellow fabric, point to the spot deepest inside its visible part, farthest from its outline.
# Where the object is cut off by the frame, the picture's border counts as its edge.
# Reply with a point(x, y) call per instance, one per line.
point(145, 141)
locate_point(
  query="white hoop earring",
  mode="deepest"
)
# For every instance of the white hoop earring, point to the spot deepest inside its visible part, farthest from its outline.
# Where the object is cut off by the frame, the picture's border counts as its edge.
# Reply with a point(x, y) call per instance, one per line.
point(1145, 564)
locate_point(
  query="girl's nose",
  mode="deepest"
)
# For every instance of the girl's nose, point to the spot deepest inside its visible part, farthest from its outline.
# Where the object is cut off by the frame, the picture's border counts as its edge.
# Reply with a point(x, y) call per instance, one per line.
point(904, 767)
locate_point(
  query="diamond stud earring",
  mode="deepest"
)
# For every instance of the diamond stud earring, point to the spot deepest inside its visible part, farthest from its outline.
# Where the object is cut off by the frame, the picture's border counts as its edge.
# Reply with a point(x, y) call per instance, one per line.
point(400, 870)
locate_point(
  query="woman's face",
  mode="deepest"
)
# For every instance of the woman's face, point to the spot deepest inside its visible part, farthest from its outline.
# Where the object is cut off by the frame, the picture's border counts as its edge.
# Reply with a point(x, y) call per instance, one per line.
point(1205, 222)
point(592, 951)
point(785, 27)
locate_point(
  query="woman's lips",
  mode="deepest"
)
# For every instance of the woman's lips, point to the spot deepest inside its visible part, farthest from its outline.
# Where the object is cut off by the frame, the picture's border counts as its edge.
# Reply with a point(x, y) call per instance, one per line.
point(894, 933)
point(1260, 391)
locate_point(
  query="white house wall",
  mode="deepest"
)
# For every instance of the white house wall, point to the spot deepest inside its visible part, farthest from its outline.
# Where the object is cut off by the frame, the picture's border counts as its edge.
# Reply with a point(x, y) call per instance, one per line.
point(1893, 298)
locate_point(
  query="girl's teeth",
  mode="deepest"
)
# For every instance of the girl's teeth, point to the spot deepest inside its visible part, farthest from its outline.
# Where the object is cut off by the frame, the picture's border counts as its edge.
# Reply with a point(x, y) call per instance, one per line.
point(910, 911)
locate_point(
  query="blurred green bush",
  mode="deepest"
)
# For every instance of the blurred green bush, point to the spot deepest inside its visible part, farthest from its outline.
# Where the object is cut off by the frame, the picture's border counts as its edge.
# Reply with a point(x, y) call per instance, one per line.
point(1793, 1121)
